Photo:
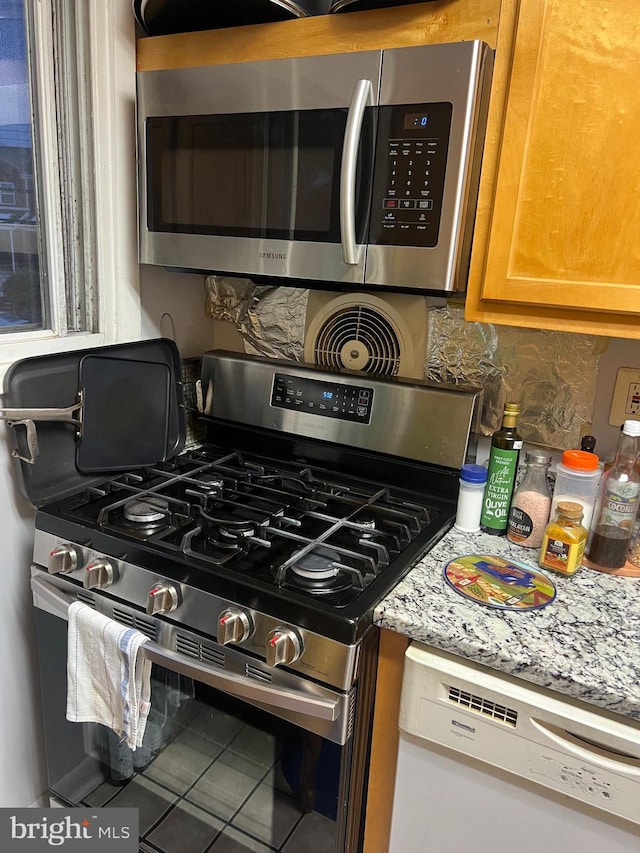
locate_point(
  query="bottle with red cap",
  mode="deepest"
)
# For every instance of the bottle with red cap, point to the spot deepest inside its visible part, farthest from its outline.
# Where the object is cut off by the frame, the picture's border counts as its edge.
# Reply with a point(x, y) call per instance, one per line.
point(577, 479)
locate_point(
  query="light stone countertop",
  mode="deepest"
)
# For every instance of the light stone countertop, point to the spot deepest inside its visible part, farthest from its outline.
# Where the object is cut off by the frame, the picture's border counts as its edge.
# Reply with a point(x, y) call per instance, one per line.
point(585, 643)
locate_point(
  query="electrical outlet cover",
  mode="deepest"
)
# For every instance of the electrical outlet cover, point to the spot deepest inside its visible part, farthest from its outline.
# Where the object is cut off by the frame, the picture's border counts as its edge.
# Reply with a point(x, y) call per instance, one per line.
point(625, 404)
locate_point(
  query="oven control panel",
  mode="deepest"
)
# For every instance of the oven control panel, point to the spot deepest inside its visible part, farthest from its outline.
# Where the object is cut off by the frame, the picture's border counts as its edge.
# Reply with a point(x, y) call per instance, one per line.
point(327, 399)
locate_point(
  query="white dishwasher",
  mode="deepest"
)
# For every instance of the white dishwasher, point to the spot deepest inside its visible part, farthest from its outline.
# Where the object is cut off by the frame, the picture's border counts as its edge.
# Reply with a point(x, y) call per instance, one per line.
point(491, 765)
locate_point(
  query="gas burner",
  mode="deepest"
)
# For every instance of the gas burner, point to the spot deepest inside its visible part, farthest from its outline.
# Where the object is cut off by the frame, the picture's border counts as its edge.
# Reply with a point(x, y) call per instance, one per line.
point(239, 530)
point(146, 511)
point(210, 484)
point(295, 485)
point(366, 528)
point(320, 564)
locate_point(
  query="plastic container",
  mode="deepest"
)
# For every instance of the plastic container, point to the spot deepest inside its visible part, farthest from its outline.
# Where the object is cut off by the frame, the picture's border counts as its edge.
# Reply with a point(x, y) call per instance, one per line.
point(473, 479)
point(577, 479)
point(531, 504)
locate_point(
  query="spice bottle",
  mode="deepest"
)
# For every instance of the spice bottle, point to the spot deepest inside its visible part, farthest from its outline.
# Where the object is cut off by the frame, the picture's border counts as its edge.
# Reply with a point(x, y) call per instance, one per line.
point(588, 443)
point(473, 479)
point(531, 503)
point(503, 464)
point(564, 540)
point(577, 479)
point(617, 503)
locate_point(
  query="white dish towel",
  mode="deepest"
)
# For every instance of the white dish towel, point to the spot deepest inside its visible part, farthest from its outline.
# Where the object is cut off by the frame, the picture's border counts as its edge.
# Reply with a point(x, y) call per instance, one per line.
point(108, 681)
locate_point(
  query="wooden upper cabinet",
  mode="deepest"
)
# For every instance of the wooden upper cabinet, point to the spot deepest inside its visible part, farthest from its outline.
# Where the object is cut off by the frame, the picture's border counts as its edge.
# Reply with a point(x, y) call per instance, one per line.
point(557, 243)
point(400, 26)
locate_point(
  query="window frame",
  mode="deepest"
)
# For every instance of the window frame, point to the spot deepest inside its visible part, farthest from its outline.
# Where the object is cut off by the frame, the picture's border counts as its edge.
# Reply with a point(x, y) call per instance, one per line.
point(10, 188)
point(107, 43)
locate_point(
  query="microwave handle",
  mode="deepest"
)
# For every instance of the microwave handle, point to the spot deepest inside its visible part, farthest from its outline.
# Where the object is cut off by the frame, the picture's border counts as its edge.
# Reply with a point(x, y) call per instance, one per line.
point(362, 95)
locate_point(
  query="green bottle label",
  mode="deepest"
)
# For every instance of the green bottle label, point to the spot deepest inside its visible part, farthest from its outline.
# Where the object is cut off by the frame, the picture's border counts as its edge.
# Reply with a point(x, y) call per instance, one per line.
point(497, 495)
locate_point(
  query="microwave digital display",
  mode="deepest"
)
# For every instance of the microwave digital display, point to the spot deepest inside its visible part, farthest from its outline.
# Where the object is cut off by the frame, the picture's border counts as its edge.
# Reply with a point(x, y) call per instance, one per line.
point(415, 121)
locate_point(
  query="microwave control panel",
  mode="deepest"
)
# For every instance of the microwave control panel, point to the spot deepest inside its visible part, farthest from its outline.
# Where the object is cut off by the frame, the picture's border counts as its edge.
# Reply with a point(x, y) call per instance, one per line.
point(327, 399)
point(411, 161)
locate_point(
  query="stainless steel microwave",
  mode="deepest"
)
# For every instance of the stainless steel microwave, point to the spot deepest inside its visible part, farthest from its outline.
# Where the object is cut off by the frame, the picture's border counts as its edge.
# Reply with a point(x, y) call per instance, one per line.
point(356, 169)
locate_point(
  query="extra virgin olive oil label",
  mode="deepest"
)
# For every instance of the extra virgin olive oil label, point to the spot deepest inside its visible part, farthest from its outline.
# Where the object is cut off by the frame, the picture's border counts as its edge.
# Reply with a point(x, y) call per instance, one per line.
point(497, 496)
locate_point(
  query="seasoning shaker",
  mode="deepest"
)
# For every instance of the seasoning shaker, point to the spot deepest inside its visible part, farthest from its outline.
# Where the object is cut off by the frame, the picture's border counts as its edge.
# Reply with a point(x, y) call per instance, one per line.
point(473, 479)
point(564, 540)
point(588, 443)
point(531, 504)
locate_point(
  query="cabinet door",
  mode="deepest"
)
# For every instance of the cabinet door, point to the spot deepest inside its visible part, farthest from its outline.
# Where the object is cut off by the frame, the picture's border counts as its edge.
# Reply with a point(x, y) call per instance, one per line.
point(564, 231)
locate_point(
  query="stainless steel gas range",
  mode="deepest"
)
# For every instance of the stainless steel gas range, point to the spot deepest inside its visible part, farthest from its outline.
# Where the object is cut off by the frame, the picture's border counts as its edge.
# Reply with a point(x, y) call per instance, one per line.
point(253, 562)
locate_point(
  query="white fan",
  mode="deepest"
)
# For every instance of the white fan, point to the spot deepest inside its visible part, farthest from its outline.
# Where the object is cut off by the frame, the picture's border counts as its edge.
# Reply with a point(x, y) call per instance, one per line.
point(358, 331)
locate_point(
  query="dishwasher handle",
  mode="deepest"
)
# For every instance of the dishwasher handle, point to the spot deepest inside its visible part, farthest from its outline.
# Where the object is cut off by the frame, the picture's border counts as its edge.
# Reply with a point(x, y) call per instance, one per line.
point(48, 597)
point(599, 754)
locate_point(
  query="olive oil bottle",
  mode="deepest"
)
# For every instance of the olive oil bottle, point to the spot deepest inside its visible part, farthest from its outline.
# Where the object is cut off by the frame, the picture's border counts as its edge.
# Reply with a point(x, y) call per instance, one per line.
point(503, 466)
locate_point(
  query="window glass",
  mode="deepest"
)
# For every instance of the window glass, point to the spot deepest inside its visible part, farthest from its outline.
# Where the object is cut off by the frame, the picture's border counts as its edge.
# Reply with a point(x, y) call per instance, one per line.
point(20, 287)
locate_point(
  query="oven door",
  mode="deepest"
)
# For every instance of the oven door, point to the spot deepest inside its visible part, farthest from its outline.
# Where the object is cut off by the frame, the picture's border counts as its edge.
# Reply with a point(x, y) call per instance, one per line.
point(227, 761)
point(259, 168)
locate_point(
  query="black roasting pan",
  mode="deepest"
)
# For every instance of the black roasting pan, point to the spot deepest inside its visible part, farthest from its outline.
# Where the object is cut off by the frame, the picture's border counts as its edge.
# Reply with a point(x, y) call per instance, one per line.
point(79, 415)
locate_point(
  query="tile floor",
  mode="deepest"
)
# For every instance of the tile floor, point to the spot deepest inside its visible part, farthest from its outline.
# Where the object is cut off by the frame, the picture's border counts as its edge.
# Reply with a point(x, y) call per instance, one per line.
point(218, 787)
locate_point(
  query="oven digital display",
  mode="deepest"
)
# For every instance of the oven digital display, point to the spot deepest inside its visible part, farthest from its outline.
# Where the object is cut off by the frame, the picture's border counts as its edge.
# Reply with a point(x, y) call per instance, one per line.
point(329, 400)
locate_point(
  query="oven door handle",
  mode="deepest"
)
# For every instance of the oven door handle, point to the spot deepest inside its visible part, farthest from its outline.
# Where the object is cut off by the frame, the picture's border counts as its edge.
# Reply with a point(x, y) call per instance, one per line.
point(47, 597)
point(244, 688)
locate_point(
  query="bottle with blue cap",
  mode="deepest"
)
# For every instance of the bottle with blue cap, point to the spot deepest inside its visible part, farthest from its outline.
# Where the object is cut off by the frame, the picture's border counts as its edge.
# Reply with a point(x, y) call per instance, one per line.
point(473, 479)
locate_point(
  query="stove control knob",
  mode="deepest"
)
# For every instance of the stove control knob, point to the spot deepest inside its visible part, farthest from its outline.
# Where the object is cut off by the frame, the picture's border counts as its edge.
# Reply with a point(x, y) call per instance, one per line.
point(63, 559)
point(234, 626)
point(99, 573)
point(284, 646)
point(164, 597)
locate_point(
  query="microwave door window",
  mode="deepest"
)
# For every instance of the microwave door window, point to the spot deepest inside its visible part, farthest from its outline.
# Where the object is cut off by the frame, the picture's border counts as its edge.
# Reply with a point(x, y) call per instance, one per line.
point(262, 175)
point(208, 174)
point(315, 152)
point(227, 189)
point(303, 175)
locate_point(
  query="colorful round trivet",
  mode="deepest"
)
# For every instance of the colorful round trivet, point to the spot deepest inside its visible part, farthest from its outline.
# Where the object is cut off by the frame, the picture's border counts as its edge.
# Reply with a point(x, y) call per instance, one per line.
point(498, 582)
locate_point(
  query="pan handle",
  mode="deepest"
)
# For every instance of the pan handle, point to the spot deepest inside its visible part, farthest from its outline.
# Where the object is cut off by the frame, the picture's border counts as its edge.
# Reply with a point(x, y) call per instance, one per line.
point(27, 417)
point(31, 436)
